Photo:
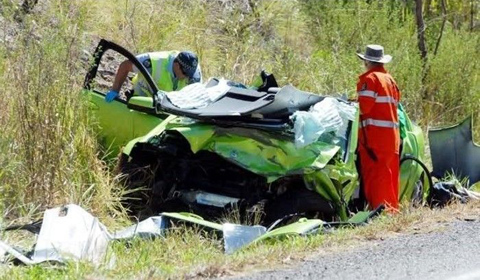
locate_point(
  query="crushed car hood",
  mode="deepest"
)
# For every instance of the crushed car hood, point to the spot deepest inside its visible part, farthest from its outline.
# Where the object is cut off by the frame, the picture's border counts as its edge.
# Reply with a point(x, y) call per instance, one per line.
point(254, 150)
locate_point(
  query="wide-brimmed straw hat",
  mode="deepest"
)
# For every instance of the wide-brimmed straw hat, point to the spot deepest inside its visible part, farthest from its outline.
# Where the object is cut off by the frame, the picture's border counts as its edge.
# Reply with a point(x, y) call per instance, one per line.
point(374, 53)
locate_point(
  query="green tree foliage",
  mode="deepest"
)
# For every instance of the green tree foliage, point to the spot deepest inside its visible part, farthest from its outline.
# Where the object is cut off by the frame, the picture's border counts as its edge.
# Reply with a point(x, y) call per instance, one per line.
point(450, 77)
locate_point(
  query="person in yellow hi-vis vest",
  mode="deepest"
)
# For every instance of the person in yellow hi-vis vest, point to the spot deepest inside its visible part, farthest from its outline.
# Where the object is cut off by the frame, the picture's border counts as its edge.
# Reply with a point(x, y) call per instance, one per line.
point(170, 70)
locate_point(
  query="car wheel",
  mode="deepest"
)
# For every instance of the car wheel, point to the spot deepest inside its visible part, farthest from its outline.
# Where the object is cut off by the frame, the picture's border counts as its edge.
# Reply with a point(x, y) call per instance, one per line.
point(417, 194)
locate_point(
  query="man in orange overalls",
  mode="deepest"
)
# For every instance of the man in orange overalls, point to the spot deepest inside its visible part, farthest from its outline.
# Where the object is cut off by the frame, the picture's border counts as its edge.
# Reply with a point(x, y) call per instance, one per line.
point(379, 136)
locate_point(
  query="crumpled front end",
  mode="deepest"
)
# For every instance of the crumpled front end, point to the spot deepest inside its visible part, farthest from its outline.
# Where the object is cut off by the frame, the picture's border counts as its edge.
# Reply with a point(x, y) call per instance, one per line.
point(308, 167)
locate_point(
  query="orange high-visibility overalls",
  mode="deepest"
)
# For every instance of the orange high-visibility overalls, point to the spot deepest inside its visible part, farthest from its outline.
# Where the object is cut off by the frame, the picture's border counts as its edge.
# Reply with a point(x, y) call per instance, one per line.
point(379, 137)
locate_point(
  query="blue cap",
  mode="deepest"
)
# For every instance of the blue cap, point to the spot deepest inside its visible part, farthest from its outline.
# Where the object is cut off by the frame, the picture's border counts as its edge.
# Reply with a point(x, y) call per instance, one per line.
point(188, 62)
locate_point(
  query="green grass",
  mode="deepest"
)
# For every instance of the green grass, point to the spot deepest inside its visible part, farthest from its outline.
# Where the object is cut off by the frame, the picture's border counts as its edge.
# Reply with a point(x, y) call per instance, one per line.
point(188, 252)
point(49, 151)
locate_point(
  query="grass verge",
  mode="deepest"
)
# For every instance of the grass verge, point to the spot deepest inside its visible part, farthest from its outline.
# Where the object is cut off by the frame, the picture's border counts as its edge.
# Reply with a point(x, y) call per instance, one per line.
point(189, 253)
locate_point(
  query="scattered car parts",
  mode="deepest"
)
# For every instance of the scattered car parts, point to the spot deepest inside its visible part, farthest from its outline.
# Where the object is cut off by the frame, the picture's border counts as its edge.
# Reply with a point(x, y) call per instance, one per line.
point(454, 152)
point(70, 233)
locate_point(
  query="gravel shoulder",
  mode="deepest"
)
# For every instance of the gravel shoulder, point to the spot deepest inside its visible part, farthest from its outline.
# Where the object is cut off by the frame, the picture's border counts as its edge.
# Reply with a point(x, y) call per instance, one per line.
point(447, 253)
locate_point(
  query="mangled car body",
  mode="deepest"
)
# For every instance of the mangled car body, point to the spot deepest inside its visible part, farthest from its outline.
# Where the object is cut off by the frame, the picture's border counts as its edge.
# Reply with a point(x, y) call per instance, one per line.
point(453, 151)
point(268, 150)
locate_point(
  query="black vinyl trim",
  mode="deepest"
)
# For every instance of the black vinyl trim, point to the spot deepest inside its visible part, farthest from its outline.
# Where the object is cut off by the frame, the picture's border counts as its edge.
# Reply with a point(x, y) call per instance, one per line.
point(102, 47)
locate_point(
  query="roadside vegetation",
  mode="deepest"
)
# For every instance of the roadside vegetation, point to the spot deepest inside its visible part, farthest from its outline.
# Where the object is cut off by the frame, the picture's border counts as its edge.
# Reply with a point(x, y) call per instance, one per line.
point(49, 152)
point(188, 253)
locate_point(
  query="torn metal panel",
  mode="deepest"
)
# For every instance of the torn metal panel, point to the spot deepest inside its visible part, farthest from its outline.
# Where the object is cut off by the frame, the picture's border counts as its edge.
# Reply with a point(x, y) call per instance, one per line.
point(67, 233)
point(453, 151)
point(148, 228)
point(71, 232)
point(238, 236)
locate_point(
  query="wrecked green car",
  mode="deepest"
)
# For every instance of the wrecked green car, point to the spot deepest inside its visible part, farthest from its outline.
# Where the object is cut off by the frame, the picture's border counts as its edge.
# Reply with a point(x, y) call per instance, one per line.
point(222, 147)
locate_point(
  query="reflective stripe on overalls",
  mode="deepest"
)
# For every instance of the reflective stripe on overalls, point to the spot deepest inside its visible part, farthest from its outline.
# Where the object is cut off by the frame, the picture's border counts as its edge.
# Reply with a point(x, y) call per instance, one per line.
point(378, 99)
point(378, 123)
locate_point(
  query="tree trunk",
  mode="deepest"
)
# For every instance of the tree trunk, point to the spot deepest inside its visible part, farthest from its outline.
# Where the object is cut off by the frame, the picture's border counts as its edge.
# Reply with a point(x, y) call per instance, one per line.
point(423, 53)
point(444, 15)
point(420, 30)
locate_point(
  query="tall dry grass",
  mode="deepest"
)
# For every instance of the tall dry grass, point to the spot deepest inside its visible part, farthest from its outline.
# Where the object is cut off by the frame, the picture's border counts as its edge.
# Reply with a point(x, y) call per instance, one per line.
point(48, 148)
point(48, 140)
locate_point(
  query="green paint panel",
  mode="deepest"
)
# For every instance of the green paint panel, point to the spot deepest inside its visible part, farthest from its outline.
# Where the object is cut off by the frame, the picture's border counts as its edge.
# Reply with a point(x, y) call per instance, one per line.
point(360, 217)
point(119, 124)
point(194, 219)
point(302, 227)
point(410, 171)
point(260, 152)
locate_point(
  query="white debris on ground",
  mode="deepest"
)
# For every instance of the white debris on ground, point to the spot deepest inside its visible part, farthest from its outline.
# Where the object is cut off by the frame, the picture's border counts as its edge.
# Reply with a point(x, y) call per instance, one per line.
point(70, 233)
point(328, 115)
point(67, 233)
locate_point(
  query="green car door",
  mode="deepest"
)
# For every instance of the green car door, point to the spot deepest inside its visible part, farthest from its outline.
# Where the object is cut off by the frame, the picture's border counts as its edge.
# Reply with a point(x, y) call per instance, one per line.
point(120, 120)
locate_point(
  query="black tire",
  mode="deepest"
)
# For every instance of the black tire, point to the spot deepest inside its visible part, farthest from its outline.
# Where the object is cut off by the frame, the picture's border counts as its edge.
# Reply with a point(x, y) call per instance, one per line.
point(417, 194)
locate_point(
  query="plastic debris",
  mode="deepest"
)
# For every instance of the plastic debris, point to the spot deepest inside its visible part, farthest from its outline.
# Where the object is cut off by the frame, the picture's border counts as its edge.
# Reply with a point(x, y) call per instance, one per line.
point(444, 193)
point(198, 95)
point(328, 115)
point(71, 233)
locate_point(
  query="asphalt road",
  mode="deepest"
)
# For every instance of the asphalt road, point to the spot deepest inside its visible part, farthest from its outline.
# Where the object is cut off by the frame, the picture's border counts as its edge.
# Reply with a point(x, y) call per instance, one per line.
point(453, 253)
